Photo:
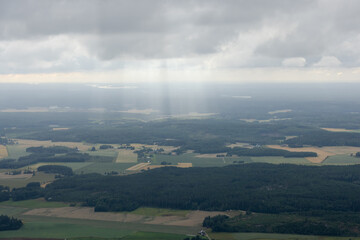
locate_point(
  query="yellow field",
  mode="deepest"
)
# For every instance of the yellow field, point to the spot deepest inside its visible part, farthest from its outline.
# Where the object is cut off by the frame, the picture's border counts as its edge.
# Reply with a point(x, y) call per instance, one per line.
point(3, 152)
point(138, 167)
point(34, 143)
point(342, 149)
point(59, 129)
point(340, 130)
point(184, 165)
point(321, 152)
point(179, 165)
point(126, 156)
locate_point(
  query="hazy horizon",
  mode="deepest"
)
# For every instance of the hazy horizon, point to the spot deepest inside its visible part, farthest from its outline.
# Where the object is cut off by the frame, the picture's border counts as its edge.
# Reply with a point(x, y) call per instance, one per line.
point(187, 41)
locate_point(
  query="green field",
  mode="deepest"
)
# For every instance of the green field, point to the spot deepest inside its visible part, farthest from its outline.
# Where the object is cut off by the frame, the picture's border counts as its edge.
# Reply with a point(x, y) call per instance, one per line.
point(104, 167)
point(33, 203)
point(341, 160)
point(146, 211)
point(105, 153)
point(50, 227)
point(272, 236)
point(11, 211)
point(16, 183)
point(197, 161)
point(16, 151)
point(218, 162)
point(279, 160)
point(126, 156)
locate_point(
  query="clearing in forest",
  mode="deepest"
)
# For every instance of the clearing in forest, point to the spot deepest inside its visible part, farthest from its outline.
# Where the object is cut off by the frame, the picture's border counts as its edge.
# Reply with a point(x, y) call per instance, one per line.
point(3, 152)
point(321, 153)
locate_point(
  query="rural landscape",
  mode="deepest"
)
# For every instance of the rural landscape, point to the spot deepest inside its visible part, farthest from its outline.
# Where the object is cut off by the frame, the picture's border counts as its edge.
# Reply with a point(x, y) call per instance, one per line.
point(179, 120)
point(127, 175)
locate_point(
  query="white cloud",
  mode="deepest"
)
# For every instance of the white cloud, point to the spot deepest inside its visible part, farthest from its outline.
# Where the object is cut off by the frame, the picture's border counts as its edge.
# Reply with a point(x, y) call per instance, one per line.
point(294, 62)
point(50, 36)
point(328, 61)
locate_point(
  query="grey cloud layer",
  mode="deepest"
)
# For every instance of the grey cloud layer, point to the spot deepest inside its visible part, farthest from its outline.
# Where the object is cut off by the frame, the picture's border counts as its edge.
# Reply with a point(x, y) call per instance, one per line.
point(53, 35)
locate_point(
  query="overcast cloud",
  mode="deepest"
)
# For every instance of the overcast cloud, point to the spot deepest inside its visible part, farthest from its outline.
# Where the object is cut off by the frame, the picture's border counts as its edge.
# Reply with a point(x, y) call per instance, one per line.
point(71, 36)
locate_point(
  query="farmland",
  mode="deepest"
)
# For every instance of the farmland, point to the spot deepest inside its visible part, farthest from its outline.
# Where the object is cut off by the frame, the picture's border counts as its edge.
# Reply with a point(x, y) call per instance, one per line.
point(21, 182)
point(104, 167)
point(126, 156)
point(3, 151)
point(322, 154)
point(52, 220)
point(193, 145)
point(25, 143)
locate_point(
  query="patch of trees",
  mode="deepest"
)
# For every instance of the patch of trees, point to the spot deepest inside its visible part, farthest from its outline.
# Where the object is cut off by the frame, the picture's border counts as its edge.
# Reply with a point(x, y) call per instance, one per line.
point(325, 138)
point(256, 187)
point(263, 151)
point(47, 157)
point(31, 191)
point(51, 150)
point(4, 193)
point(62, 170)
point(105, 146)
point(329, 223)
point(9, 223)
point(357, 154)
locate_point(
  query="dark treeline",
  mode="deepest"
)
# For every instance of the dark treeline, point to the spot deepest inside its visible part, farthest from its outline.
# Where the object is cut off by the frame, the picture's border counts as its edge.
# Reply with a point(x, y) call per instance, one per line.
point(9, 223)
point(325, 138)
point(257, 187)
point(31, 191)
point(51, 150)
point(4, 193)
point(47, 157)
point(62, 170)
point(327, 223)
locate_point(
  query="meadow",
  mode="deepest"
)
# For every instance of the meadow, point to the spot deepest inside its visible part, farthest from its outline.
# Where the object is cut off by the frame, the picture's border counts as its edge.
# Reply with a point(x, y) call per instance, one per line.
point(39, 177)
point(126, 156)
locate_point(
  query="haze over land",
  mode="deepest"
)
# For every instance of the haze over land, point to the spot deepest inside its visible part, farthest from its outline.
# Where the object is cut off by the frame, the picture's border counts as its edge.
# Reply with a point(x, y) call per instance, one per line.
point(180, 120)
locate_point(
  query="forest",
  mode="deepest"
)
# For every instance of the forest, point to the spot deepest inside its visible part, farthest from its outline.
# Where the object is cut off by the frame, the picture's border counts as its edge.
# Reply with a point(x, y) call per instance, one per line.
point(327, 223)
point(263, 188)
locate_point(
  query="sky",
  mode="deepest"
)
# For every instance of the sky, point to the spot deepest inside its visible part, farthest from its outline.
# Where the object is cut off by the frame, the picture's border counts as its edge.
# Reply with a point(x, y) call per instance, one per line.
point(199, 40)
